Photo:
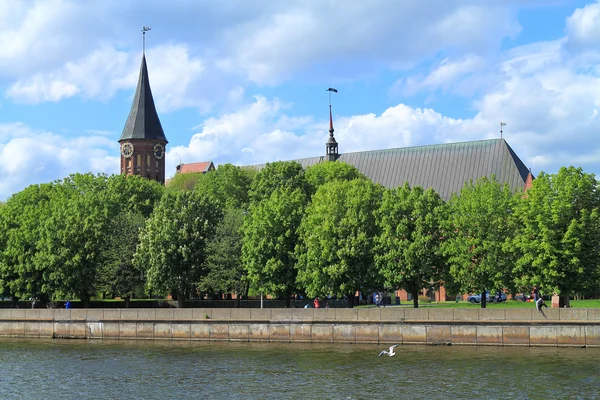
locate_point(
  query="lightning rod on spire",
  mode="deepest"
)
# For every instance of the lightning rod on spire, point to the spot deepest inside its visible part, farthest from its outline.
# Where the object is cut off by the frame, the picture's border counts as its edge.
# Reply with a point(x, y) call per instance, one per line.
point(330, 115)
point(144, 30)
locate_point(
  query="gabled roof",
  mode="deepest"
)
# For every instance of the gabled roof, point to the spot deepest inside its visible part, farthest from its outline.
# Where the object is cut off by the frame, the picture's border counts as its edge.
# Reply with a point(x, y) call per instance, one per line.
point(443, 167)
point(143, 121)
point(204, 166)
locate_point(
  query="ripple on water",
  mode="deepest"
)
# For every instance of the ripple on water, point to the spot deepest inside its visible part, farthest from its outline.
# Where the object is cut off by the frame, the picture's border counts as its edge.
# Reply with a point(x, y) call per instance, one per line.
point(156, 369)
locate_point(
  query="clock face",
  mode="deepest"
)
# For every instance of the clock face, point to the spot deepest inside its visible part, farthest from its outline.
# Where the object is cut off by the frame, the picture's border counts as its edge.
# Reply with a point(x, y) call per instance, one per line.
point(159, 151)
point(127, 150)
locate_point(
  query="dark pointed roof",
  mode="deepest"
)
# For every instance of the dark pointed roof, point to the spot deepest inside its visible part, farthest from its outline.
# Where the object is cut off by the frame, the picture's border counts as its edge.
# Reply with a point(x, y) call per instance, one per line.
point(143, 121)
point(443, 167)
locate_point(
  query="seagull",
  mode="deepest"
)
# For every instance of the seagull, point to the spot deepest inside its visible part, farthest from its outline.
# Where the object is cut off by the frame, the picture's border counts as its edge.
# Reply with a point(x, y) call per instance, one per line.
point(390, 353)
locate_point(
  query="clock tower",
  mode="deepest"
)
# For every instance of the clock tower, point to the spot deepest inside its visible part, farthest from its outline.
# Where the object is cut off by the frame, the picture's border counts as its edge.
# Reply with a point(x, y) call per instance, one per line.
point(143, 142)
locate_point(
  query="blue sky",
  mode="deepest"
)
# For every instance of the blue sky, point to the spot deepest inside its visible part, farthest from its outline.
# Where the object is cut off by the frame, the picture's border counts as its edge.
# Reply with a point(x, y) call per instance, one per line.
point(244, 81)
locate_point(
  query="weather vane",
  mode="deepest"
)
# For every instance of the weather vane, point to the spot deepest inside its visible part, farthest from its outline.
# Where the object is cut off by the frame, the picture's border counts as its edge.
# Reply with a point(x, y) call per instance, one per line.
point(501, 125)
point(330, 116)
point(144, 30)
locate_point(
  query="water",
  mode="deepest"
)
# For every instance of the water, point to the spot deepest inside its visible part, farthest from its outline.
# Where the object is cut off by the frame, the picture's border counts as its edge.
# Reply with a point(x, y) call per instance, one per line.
point(73, 369)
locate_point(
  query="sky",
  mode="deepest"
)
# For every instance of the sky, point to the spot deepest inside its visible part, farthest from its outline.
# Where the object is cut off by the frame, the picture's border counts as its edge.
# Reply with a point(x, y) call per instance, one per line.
point(244, 81)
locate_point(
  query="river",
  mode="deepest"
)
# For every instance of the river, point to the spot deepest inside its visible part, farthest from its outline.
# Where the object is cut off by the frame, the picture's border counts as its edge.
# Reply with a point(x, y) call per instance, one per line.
point(88, 369)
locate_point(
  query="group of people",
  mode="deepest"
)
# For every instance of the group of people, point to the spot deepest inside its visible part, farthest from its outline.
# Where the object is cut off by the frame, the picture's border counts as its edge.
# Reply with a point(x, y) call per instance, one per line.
point(317, 303)
point(379, 300)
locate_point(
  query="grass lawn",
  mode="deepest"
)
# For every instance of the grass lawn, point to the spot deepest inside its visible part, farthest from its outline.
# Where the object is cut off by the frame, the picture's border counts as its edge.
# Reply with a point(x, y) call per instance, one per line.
point(506, 304)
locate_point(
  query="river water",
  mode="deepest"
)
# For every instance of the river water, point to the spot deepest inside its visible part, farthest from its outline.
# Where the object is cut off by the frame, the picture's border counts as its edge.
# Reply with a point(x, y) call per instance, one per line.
point(88, 369)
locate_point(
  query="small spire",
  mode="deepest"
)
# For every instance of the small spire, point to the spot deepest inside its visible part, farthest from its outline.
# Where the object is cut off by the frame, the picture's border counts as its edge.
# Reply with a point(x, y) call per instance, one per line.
point(144, 30)
point(331, 147)
point(330, 122)
point(330, 115)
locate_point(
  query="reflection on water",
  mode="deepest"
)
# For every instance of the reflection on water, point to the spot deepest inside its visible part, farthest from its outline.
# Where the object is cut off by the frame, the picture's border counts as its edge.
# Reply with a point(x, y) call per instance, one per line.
point(42, 369)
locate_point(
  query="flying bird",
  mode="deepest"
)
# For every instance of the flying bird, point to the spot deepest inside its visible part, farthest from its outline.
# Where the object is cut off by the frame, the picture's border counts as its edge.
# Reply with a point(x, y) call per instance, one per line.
point(390, 353)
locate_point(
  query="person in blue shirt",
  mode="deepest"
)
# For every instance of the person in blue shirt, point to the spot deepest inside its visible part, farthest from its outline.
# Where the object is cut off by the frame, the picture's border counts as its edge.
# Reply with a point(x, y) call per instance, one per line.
point(68, 304)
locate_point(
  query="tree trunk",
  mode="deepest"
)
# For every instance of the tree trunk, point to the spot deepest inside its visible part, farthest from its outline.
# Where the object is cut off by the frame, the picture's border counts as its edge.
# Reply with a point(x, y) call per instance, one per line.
point(483, 299)
point(180, 298)
point(351, 300)
point(127, 301)
point(85, 300)
point(414, 291)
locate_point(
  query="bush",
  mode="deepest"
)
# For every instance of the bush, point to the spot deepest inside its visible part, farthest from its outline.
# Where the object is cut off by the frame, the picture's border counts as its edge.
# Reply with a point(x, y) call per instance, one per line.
point(424, 299)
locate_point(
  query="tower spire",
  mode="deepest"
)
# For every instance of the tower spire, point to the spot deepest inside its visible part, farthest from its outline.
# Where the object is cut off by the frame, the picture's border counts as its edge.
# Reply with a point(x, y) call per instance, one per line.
point(143, 141)
point(331, 147)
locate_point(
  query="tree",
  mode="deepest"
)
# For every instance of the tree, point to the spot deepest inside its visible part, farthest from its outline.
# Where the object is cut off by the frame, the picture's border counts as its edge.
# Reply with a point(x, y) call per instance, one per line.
point(226, 272)
point(172, 248)
point(326, 172)
point(229, 185)
point(559, 242)
point(478, 224)
point(277, 175)
point(132, 193)
point(184, 182)
point(337, 238)
point(117, 273)
point(22, 219)
point(270, 237)
point(408, 248)
point(74, 235)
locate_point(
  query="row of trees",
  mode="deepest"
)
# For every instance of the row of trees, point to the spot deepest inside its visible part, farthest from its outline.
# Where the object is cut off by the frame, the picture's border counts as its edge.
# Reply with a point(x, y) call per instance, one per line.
point(326, 230)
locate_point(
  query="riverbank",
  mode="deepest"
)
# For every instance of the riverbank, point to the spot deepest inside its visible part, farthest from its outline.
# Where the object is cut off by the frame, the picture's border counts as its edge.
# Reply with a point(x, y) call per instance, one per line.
point(497, 327)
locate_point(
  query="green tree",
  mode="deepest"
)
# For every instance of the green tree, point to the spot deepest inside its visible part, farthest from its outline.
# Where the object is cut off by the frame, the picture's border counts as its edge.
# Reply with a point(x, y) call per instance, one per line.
point(337, 238)
point(270, 237)
point(184, 182)
point(229, 185)
point(74, 235)
point(326, 172)
point(117, 274)
point(172, 246)
point(408, 249)
point(478, 224)
point(21, 223)
point(559, 242)
point(226, 272)
point(277, 175)
point(132, 193)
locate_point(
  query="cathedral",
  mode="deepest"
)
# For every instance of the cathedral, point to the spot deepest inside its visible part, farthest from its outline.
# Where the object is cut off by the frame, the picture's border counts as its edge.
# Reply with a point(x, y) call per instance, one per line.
point(443, 167)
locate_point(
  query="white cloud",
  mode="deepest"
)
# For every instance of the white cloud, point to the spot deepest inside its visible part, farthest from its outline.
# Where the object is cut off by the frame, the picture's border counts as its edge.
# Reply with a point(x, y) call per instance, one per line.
point(444, 76)
point(99, 75)
point(29, 156)
point(583, 27)
point(385, 32)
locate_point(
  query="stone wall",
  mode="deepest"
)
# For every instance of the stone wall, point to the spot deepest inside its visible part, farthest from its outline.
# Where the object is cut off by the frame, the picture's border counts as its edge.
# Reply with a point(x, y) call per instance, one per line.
point(519, 327)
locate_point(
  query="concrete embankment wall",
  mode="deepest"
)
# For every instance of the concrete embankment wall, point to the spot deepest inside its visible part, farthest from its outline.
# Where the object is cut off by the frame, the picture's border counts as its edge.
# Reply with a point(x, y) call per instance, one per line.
point(519, 327)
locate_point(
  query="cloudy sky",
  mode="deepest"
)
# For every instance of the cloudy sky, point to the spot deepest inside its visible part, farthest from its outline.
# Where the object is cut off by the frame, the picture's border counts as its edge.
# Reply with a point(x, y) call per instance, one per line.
point(244, 81)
